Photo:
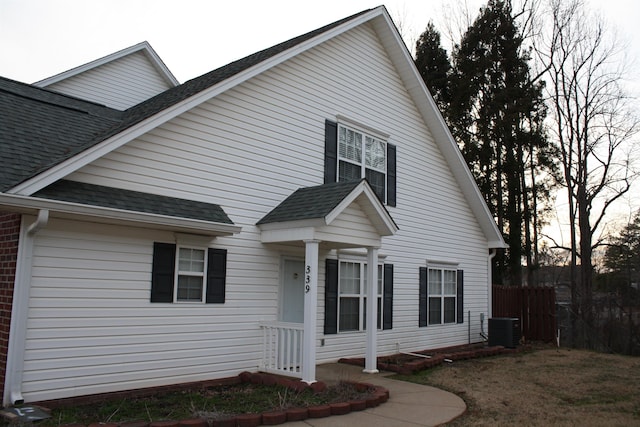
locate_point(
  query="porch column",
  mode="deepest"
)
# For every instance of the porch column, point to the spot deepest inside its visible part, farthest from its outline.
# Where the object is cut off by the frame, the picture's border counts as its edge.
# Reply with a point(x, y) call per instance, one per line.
point(310, 311)
point(370, 364)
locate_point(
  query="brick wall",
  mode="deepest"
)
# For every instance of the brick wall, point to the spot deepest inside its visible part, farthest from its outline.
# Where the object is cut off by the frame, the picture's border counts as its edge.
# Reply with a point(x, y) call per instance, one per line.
point(9, 236)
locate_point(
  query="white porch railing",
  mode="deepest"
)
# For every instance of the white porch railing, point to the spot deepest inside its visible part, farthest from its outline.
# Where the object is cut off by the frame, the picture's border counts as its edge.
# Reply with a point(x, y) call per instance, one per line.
point(282, 348)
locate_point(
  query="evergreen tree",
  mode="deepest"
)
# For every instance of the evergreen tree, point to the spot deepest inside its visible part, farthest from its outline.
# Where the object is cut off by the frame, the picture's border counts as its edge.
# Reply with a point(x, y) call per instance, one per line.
point(496, 113)
point(623, 255)
point(434, 66)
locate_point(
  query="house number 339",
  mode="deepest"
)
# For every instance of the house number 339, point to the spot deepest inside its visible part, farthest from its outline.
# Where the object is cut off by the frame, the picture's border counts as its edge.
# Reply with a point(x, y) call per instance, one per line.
point(307, 279)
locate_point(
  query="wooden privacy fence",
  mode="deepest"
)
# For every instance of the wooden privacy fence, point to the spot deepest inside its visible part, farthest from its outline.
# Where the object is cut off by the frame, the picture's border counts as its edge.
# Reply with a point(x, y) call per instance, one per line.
point(534, 306)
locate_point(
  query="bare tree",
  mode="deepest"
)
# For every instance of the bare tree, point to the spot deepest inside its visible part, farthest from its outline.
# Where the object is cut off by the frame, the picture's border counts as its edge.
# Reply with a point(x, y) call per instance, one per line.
point(594, 128)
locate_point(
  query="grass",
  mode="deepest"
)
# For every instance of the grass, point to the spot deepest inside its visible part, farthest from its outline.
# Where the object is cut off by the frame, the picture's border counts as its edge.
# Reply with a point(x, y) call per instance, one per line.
point(211, 403)
point(546, 386)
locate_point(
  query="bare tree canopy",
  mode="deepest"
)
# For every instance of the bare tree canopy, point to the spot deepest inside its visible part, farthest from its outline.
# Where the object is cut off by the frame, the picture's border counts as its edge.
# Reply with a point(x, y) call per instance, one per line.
point(594, 126)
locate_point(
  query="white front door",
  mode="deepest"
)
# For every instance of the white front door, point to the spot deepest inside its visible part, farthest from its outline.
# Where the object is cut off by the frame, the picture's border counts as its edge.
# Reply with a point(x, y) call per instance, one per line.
point(292, 309)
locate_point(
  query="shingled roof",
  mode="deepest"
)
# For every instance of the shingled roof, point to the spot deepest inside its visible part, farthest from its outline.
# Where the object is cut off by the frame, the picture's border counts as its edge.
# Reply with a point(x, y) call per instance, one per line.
point(115, 198)
point(310, 202)
point(39, 129)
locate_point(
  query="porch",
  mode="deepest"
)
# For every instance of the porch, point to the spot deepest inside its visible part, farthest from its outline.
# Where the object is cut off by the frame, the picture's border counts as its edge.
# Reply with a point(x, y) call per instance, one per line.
point(323, 218)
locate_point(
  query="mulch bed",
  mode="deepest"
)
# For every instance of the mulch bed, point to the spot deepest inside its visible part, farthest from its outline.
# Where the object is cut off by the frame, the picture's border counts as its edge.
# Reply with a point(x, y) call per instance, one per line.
point(377, 395)
point(407, 364)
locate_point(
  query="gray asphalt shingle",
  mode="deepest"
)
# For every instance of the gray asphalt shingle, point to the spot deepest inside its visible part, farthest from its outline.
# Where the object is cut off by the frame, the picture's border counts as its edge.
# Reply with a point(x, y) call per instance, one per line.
point(108, 197)
point(310, 202)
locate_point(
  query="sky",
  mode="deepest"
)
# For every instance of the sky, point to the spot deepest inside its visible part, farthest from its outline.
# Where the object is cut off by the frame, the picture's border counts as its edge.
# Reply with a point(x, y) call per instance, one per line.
point(41, 38)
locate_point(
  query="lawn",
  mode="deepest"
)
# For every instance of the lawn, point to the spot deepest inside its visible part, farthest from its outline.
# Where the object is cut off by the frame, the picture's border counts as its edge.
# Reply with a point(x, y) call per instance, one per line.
point(545, 386)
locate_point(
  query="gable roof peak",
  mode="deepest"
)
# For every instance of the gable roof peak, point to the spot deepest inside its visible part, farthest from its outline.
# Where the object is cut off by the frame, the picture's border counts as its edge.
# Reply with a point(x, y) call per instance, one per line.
point(143, 47)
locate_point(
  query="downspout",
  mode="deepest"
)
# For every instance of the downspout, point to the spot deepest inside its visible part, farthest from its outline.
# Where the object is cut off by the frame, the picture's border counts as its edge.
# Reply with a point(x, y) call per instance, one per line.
point(41, 221)
point(492, 254)
point(20, 309)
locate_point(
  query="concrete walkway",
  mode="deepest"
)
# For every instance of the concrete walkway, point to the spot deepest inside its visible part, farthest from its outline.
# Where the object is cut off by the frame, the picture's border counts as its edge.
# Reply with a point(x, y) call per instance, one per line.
point(408, 405)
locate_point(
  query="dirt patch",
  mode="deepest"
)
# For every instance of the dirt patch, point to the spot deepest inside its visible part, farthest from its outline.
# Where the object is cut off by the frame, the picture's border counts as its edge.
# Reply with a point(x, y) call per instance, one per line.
point(545, 386)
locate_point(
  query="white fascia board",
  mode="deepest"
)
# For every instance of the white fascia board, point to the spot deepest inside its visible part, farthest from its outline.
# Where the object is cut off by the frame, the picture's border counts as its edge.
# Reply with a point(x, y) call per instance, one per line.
point(159, 65)
point(401, 57)
point(305, 223)
point(143, 46)
point(71, 165)
point(60, 209)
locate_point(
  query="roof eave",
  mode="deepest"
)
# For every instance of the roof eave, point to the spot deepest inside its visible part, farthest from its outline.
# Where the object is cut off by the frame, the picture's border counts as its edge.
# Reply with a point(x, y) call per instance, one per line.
point(60, 209)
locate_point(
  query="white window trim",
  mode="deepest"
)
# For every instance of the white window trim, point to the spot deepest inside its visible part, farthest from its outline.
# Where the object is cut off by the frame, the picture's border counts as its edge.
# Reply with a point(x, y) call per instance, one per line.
point(362, 127)
point(179, 273)
point(362, 295)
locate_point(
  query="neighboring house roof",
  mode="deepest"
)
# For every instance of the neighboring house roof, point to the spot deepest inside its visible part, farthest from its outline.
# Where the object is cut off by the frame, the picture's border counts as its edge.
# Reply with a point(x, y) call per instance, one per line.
point(143, 47)
point(154, 112)
point(116, 198)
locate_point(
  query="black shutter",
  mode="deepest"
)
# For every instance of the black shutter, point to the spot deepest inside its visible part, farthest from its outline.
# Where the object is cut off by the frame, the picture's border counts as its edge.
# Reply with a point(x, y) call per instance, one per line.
point(387, 297)
point(460, 296)
point(391, 175)
point(422, 298)
point(216, 275)
point(330, 151)
point(331, 297)
point(163, 272)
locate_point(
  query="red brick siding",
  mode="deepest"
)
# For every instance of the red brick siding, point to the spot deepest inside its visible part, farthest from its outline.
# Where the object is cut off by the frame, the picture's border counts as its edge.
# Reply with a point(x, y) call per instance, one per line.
point(9, 237)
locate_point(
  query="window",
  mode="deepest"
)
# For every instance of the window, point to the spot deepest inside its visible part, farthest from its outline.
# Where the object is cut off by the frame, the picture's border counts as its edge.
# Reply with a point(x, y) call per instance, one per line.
point(188, 274)
point(362, 156)
point(346, 296)
point(190, 280)
point(351, 154)
point(352, 304)
point(440, 296)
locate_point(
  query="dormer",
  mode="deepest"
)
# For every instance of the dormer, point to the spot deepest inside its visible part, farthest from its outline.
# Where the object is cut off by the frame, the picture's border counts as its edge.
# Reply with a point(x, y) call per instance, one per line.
point(120, 80)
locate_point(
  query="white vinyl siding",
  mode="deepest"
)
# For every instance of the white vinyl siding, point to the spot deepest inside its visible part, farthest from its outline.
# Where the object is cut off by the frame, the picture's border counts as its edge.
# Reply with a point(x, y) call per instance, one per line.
point(119, 84)
point(91, 326)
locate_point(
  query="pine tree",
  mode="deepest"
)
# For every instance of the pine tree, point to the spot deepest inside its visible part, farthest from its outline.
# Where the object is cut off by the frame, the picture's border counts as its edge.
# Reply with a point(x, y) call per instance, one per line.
point(434, 66)
point(496, 113)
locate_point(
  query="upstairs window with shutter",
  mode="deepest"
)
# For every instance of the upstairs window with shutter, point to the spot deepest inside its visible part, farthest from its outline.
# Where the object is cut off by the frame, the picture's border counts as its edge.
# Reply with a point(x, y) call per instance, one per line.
point(352, 154)
point(362, 156)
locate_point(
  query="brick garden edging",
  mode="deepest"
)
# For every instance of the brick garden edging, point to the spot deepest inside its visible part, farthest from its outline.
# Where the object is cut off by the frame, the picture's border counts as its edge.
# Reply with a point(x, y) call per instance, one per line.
point(437, 357)
point(378, 396)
